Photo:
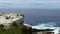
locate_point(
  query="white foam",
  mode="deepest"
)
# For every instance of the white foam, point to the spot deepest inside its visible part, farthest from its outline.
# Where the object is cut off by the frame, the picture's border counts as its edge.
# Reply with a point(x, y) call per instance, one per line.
point(47, 26)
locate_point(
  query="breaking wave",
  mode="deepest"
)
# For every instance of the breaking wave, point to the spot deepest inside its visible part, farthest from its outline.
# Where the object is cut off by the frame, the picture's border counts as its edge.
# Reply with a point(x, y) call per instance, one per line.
point(50, 25)
point(44, 25)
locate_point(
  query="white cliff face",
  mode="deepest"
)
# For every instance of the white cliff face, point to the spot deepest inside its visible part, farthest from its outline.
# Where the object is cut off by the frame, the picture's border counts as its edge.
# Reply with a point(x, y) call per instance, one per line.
point(7, 19)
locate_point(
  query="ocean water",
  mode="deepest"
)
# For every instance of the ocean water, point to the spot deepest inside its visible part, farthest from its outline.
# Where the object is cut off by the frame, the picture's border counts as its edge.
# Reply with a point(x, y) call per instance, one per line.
point(37, 16)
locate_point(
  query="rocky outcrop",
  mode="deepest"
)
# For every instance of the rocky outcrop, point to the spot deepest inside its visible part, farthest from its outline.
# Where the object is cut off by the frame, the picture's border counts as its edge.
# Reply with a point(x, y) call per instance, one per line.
point(8, 19)
point(11, 23)
point(27, 29)
point(41, 31)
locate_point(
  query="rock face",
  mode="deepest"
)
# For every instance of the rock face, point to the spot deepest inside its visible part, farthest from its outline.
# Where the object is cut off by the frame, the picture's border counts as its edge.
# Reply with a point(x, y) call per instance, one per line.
point(42, 31)
point(8, 19)
point(27, 29)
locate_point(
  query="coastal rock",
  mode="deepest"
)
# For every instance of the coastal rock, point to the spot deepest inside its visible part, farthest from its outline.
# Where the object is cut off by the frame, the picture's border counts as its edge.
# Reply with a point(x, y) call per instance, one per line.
point(8, 19)
point(27, 29)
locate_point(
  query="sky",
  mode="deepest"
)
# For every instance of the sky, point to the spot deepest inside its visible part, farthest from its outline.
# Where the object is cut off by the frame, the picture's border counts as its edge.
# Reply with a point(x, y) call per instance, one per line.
point(29, 3)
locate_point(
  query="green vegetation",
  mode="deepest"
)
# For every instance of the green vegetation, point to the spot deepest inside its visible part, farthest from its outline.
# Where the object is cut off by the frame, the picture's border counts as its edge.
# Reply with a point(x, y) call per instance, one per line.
point(13, 30)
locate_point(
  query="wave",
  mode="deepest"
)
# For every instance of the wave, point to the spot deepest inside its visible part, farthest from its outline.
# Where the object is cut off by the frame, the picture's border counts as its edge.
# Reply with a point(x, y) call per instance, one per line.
point(49, 25)
point(45, 25)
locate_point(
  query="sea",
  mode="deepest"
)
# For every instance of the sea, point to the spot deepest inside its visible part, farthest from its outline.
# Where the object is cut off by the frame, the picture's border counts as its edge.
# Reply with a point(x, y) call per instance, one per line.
point(37, 16)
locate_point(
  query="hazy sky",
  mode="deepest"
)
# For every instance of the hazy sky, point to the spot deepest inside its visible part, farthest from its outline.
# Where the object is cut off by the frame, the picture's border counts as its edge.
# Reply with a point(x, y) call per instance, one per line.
point(29, 3)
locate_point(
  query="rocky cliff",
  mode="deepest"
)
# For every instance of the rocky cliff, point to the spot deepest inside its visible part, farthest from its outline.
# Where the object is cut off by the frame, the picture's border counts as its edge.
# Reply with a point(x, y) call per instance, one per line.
point(11, 23)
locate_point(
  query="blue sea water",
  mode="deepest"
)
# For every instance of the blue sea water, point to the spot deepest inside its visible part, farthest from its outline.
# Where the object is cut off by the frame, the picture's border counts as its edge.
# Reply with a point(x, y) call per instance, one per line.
point(37, 16)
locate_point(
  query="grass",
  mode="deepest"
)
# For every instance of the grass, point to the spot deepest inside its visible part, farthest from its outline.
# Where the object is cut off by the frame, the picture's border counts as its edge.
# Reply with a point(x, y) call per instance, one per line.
point(12, 30)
